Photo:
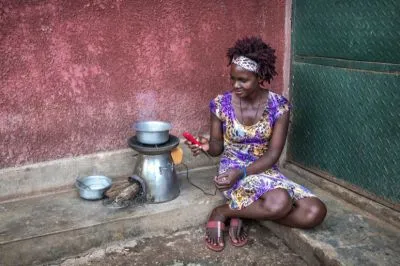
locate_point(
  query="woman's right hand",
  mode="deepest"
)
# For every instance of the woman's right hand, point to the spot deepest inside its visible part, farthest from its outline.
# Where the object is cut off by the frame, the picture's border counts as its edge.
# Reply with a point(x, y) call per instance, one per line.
point(196, 149)
point(227, 179)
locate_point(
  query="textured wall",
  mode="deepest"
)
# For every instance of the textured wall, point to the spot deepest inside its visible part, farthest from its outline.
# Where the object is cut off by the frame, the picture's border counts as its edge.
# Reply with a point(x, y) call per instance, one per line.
point(75, 75)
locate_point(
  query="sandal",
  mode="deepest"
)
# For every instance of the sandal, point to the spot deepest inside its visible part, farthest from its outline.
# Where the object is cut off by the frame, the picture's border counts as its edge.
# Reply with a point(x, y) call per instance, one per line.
point(220, 228)
point(235, 222)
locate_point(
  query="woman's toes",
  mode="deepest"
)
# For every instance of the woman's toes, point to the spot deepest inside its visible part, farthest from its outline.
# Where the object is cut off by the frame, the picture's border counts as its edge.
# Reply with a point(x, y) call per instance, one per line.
point(234, 235)
point(234, 239)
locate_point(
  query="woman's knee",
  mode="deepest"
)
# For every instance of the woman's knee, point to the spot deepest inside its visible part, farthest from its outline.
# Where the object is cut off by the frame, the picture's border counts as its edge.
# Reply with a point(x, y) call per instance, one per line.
point(277, 203)
point(314, 214)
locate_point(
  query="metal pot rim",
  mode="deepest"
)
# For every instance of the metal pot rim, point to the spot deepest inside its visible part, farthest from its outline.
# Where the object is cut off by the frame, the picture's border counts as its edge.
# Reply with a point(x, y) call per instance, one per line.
point(158, 126)
point(82, 180)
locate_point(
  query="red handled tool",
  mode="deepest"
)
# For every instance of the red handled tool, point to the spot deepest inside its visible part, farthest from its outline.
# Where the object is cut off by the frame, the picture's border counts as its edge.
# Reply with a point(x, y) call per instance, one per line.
point(193, 140)
point(190, 138)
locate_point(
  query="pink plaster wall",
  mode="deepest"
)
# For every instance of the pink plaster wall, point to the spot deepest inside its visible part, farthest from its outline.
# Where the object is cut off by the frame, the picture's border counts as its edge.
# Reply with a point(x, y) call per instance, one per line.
point(75, 75)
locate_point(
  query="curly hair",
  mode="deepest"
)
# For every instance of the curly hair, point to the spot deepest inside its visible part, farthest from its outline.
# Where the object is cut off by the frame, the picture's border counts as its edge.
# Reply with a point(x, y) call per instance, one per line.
point(255, 49)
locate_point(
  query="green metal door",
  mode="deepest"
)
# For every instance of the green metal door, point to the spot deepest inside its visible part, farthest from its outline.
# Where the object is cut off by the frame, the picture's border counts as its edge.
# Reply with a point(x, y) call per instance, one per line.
point(345, 92)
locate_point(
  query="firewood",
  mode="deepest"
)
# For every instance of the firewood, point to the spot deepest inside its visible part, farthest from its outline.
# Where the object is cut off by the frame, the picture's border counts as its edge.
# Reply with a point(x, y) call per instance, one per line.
point(115, 189)
point(128, 193)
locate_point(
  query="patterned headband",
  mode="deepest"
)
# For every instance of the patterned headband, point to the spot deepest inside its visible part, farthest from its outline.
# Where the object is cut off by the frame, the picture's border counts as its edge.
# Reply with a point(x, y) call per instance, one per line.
point(246, 63)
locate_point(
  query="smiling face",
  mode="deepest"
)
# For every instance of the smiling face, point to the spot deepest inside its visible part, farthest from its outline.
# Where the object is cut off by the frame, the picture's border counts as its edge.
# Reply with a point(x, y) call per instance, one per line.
point(244, 83)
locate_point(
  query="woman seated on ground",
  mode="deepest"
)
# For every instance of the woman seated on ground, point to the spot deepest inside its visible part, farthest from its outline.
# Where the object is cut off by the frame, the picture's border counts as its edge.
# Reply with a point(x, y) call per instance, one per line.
point(248, 129)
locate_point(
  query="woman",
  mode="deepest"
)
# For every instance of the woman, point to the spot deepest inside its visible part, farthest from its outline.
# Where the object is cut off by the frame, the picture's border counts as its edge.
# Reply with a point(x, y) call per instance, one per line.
point(248, 129)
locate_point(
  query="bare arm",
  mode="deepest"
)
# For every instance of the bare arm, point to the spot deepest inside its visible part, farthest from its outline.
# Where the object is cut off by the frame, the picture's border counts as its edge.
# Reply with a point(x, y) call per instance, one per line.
point(266, 161)
point(275, 148)
point(216, 136)
point(214, 146)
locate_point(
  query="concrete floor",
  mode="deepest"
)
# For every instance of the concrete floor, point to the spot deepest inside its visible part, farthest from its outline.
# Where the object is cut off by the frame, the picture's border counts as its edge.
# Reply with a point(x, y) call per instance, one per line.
point(48, 227)
point(58, 226)
point(186, 247)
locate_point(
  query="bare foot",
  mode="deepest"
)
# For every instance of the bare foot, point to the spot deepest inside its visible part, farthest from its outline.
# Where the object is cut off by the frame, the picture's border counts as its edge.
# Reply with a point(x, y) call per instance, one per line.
point(237, 233)
point(214, 231)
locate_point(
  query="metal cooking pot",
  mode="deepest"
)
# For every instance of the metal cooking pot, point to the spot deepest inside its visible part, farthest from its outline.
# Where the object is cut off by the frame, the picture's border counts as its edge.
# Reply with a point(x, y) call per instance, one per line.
point(93, 187)
point(152, 132)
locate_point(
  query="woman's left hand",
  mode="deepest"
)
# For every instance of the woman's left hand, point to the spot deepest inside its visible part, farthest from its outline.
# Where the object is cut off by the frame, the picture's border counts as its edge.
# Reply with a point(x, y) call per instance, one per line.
point(227, 179)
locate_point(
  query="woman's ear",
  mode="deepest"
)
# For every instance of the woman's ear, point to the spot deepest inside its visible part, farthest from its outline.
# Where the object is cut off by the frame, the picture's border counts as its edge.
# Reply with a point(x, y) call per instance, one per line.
point(263, 83)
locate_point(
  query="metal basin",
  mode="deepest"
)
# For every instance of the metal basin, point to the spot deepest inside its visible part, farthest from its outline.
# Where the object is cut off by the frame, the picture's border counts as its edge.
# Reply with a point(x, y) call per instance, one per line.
point(93, 187)
point(152, 132)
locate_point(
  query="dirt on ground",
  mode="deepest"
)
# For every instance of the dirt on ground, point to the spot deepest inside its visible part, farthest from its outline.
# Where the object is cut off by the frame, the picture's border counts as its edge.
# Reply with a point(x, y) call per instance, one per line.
point(186, 247)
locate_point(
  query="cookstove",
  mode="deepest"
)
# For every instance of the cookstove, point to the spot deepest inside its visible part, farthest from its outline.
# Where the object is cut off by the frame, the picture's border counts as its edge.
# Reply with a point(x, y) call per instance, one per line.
point(154, 165)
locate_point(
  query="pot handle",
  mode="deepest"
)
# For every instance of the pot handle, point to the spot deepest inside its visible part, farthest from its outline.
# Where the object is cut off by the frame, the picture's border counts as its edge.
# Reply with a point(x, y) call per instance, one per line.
point(81, 184)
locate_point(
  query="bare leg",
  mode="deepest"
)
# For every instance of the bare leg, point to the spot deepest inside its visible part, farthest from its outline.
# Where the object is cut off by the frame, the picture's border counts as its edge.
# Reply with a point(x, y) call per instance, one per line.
point(306, 213)
point(274, 204)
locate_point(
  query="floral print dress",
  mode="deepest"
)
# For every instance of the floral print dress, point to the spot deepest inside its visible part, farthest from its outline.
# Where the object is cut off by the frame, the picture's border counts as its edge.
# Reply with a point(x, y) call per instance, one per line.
point(245, 144)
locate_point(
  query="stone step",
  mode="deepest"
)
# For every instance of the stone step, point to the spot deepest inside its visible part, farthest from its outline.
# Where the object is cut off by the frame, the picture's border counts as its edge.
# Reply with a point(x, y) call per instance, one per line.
point(45, 228)
point(59, 175)
point(348, 236)
point(49, 227)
